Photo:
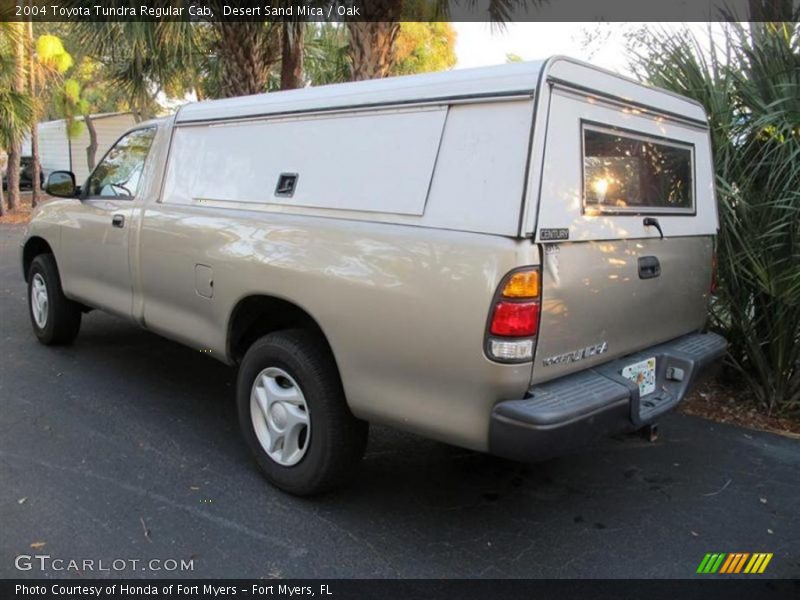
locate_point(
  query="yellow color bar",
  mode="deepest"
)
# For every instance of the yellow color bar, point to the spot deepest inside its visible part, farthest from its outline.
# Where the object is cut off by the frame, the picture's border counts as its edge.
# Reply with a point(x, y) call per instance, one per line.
point(522, 284)
point(754, 561)
point(758, 562)
point(765, 563)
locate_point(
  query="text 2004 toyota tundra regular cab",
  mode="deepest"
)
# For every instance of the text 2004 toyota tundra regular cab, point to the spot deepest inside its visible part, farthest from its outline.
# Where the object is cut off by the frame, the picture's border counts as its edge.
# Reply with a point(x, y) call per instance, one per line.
point(513, 259)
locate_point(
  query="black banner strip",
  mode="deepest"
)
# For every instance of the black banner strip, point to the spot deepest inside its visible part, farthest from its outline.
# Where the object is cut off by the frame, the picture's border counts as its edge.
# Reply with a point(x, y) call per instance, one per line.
point(732, 588)
point(400, 10)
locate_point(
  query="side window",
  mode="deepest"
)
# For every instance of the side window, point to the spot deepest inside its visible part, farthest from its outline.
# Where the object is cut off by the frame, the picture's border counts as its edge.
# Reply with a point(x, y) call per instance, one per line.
point(119, 174)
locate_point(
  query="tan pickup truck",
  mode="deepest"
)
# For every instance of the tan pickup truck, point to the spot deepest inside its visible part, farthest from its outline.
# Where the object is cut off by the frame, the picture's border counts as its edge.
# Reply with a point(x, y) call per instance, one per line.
point(514, 259)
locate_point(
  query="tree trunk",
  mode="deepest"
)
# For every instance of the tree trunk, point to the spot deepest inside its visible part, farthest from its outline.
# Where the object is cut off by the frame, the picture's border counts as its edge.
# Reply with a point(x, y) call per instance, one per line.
point(292, 45)
point(91, 149)
point(36, 185)
point(372, 48)
point(246, 52)
point(36, 188)
point(372, 41)
point(15, 151)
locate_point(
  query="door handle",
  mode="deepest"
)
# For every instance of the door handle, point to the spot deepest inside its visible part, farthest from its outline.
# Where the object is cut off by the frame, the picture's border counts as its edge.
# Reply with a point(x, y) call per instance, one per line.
point(118, 221)
point(649, 267)
point(653, 222)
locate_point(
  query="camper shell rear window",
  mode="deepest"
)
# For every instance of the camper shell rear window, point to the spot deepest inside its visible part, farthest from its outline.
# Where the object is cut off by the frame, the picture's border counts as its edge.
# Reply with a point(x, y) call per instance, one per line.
point(625, 172)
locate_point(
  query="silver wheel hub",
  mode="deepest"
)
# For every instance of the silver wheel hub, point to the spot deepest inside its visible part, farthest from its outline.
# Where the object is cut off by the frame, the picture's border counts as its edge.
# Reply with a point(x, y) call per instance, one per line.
point(39, 300)
point(280, 416)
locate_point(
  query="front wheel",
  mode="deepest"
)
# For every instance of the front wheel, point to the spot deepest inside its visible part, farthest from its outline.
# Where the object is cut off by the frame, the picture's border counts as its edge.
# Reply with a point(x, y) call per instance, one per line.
point(55, 318)
point(294, 416)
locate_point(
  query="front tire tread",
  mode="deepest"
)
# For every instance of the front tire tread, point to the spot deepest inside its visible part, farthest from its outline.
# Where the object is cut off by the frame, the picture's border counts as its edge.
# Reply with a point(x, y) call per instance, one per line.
point(64, 316)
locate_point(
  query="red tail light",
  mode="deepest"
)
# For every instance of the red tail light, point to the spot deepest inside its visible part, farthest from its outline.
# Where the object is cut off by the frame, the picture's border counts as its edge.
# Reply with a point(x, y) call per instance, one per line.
point(515, 319)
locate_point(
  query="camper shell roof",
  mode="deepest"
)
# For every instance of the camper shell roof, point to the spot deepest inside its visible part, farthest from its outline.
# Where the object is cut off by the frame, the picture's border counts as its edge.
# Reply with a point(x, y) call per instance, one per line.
point(463, 85)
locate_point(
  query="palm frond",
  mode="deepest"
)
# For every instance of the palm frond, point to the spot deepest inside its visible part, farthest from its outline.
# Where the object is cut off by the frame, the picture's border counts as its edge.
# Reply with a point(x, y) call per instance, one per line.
point(16, 115)
point(749, 83)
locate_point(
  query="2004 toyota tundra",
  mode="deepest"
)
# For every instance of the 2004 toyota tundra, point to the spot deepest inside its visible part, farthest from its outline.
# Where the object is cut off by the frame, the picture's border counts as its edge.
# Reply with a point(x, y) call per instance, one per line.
point(514, 259)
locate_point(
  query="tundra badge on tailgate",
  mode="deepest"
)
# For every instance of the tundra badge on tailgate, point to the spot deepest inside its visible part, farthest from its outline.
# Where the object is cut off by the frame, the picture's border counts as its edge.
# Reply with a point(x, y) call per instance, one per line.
point(570, 357)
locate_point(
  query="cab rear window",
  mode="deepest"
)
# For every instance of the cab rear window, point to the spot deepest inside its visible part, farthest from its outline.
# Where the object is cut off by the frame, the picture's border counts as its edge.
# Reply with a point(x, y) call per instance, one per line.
point(624, 172)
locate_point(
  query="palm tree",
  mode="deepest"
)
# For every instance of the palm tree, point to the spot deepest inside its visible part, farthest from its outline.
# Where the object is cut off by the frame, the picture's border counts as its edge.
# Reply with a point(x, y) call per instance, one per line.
point(749, 83)
point(37, 169)
point(770, 10)
point(372, 40)
point(292, 51)
point(216, 58)
point(47, 61)
point(16, 110)
point(245, 53)
point(17, 107)
point(420, 47)
point(141, 58)
point(326, 53)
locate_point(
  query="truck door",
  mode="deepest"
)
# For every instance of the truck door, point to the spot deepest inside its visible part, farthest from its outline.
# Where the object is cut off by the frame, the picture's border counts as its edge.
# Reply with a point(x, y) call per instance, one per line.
point(95, 260)
point(625, 223)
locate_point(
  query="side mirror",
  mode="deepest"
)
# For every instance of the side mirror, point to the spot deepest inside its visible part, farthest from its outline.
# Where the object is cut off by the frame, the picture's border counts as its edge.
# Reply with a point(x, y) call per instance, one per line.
point(61, 184)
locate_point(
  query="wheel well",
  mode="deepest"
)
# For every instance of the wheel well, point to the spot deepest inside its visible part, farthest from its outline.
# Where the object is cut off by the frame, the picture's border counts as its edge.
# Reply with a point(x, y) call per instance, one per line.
point(33, 248)
point(256, 316)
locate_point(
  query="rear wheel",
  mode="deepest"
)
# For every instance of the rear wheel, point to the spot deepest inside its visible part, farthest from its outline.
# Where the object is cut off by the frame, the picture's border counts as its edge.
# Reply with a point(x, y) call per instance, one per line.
point(294, 416)
point(55, 318)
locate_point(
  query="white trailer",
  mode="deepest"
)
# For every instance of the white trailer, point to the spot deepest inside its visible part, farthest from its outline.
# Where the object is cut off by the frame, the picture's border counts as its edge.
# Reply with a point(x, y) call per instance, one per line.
point(59, 152)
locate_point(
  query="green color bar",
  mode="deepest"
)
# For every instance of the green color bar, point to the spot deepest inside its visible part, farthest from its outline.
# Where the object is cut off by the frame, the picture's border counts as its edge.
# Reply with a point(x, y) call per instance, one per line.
point(711, 562)
point(703, 563)
point(718, 563)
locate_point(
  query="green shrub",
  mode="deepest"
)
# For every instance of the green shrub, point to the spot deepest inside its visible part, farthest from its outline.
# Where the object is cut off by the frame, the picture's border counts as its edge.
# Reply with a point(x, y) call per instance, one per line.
point(748, 79)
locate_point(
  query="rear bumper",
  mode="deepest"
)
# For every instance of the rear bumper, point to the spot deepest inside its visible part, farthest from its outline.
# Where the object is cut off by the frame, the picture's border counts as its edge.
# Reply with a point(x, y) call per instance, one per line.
point(558, 416)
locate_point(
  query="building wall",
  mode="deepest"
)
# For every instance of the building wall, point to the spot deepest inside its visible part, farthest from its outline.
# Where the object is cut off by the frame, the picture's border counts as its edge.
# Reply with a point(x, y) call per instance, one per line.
point(59, 153)
point(53, 146)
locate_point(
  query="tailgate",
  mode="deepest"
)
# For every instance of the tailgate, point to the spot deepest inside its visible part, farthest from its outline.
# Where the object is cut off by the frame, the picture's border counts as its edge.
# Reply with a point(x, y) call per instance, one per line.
point(621, 201)
point(596, 307)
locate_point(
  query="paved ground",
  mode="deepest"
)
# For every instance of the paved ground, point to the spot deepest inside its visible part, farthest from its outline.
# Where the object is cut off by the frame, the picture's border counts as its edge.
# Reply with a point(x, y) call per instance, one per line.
point(125, 432)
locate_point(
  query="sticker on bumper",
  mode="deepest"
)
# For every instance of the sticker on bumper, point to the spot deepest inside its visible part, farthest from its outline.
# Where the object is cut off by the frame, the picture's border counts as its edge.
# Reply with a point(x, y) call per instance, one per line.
point(643, 374)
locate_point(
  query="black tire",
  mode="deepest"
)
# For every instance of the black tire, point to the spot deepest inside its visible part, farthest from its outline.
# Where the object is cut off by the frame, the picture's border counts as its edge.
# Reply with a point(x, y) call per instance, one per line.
point(336, 441)
point(63, 316)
